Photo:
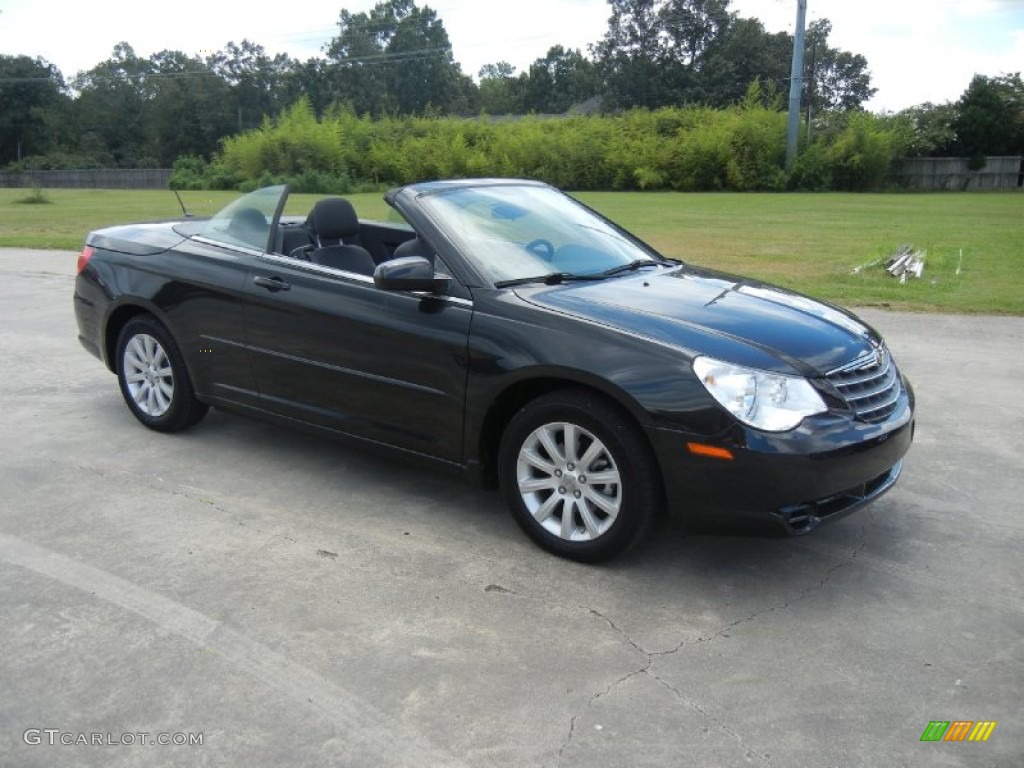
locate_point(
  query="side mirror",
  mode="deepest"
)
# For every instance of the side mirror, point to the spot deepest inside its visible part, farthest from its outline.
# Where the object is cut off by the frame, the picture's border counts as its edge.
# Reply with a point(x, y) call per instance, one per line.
point(408, 273)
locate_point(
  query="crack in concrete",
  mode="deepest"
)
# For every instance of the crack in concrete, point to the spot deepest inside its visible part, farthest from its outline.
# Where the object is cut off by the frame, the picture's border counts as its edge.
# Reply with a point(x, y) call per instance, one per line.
point(749, 751)
point(645, 669)
point(614, 626)
point(568, 739)
point(190, 496)
point(154, 482)
point(608, 689)
point(804, 593)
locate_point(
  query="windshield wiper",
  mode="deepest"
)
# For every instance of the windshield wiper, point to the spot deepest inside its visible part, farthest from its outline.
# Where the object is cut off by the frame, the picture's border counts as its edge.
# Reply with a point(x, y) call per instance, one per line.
point(552, 278)
point(632, 266)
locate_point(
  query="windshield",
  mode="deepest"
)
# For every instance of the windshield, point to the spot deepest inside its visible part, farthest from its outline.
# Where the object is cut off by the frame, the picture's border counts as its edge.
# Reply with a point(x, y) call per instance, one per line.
point(515, 232)
point(246, 222)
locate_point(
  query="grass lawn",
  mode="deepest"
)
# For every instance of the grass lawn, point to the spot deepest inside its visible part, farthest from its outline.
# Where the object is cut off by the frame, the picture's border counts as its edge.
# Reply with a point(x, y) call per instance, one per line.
point(808, 242)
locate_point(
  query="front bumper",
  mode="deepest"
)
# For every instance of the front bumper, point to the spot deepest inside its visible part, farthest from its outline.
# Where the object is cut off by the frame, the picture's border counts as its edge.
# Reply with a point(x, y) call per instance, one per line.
point(827, 468)
point(805, 517)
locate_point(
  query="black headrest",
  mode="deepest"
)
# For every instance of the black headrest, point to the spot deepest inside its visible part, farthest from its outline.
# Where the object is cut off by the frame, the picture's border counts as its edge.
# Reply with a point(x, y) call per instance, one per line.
point(333, 218)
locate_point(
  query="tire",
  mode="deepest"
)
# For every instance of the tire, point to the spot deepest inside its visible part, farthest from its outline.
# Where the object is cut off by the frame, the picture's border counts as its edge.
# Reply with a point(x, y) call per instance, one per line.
point(153, 377)
point(592, 501)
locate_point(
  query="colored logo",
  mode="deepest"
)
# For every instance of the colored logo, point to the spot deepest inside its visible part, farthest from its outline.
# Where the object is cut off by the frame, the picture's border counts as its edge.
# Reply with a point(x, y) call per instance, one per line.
point(958, 730)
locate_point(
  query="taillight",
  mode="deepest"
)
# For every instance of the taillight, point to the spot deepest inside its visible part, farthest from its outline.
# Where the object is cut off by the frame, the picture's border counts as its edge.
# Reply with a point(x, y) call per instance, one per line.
point(84, 256)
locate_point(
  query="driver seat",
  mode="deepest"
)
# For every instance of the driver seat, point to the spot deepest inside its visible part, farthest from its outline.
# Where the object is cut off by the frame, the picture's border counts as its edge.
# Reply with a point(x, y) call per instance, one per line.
point(331, 221)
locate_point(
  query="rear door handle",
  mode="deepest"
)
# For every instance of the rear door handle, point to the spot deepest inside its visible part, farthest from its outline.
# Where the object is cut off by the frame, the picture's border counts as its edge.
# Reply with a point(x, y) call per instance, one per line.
point(273, 284)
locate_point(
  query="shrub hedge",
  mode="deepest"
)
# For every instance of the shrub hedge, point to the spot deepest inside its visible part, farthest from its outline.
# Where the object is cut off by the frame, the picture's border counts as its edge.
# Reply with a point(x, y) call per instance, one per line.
point(691, 148)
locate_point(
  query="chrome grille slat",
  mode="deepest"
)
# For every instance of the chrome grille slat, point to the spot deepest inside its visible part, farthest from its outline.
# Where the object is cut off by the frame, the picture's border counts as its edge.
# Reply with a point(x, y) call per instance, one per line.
point(850, 379)
point(888, 404)
point(879, 386)
point(869, 386)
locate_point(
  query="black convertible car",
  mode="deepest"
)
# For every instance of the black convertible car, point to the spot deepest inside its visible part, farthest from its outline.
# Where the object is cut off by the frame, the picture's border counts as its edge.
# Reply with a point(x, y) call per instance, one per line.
point(504, 328)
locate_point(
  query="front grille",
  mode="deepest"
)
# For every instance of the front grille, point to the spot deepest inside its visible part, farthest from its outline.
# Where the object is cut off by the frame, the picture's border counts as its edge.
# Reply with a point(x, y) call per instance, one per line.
point(870, 385)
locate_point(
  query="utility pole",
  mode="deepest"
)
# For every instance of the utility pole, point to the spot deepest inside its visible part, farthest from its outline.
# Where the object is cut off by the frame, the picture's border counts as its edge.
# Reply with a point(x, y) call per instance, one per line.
point(796, 81)
point(810, 88)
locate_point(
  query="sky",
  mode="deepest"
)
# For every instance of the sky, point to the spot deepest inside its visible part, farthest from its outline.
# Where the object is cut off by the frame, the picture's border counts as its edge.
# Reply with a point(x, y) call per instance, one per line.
point(917, 50)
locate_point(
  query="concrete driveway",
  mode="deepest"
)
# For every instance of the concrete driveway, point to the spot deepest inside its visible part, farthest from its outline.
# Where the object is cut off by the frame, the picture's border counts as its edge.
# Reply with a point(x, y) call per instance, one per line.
point(288, 600)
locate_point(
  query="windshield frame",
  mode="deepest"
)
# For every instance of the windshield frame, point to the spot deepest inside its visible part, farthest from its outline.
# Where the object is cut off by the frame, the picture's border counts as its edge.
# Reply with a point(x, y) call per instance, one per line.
point(482, 221)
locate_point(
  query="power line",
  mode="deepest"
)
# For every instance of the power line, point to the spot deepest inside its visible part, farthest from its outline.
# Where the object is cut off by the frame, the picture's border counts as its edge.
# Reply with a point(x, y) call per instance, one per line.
point(384, 57)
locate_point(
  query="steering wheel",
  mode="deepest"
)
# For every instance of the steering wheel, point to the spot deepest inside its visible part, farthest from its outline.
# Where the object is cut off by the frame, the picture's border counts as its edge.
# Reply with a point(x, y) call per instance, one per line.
point(542, 248)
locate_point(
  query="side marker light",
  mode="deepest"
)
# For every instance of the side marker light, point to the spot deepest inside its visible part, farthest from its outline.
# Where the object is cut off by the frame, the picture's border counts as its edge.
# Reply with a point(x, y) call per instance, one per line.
point(713, 451)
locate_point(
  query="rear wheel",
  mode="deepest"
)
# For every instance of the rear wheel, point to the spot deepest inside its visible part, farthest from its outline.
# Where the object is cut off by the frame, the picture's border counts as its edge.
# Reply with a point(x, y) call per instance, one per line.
point(153, 378)
point(578, 475)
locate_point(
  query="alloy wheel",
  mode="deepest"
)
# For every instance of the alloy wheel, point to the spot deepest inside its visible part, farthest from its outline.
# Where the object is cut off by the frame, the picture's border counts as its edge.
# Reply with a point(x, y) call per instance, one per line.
point(568, 481)
point(148, 375)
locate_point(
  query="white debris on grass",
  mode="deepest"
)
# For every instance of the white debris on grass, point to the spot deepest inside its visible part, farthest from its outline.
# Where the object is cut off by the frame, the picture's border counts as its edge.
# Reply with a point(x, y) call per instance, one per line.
point(903, 263)
point(906, 262)
point(856, 270)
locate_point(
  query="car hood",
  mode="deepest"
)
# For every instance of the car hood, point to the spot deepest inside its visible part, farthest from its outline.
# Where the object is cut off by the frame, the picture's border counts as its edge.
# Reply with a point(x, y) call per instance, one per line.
point(706, 312)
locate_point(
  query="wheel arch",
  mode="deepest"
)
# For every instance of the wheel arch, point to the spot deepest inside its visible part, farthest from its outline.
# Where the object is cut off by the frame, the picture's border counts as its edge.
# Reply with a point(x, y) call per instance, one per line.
point(119, 317)
point(179, 408)
point(517, 394)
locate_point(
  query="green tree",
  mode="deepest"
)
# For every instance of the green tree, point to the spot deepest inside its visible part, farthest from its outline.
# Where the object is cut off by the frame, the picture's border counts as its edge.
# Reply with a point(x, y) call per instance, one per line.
point(693, 28)
point(834, 79)
point(629, 56)
point(927, 129)
point(499, 89)
point(423, 72)
point(111, 106)
point(397, 59)
point(312, 79)
point(559, 80)
point(188, 111)
point(356, 63)
point(990, 117)
point(257, 81)
point(32, 93)
point(661, 52)
point(746, 53)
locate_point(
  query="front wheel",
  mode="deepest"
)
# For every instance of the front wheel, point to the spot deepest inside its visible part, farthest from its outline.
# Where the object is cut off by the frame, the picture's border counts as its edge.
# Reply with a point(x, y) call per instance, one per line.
point(578, 475)
point(153, 378)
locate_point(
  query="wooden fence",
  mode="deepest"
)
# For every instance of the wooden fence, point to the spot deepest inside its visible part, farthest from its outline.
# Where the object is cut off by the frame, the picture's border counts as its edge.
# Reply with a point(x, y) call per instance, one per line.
point(954, 173)
point(100, 178)
point(919, 173)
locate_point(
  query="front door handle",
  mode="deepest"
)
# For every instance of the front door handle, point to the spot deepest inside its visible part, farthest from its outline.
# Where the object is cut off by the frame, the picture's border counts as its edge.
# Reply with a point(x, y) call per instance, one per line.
point(273, 284)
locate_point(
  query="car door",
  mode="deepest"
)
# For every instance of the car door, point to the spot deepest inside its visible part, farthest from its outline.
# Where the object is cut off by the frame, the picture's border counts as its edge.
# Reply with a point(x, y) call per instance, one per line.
point(203, 300)
point(329, 348)
point(203, 297)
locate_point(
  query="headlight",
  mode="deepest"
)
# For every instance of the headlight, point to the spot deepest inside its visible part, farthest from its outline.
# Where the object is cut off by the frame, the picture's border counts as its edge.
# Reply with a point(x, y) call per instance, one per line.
point(768, 401)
